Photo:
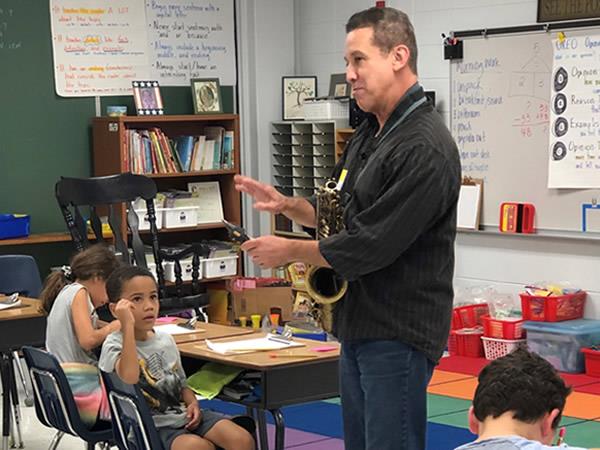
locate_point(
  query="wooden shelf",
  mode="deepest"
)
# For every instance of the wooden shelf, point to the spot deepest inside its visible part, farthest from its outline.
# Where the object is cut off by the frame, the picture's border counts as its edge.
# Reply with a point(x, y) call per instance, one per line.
point(41, 238)
point(204, 173)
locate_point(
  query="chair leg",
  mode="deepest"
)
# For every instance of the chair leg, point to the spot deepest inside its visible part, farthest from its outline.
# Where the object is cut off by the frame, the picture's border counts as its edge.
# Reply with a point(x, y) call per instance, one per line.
point(56, 440)
point(202, 313)
point(16, 409)
point(28, 396)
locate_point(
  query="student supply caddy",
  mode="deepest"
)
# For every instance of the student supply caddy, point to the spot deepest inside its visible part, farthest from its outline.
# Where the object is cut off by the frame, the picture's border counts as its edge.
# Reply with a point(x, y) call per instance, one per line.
point(14, 226)
point(517, 217)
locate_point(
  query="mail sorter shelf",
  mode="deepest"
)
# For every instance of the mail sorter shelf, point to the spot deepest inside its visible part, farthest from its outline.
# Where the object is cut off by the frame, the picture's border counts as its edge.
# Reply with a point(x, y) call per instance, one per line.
point(303, 159)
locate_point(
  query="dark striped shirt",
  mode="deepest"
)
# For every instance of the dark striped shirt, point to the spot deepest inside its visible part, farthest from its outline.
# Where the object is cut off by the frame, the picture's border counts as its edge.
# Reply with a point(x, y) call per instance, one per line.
point(397, 251)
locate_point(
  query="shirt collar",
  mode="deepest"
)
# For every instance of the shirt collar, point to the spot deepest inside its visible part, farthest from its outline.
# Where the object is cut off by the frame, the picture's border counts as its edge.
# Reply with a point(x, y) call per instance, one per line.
point(413, 94)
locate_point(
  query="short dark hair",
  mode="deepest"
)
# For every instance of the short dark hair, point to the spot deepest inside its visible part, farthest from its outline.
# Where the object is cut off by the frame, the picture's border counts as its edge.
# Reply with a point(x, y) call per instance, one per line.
point(391, 27)
point(116, 280)
point(521, 382)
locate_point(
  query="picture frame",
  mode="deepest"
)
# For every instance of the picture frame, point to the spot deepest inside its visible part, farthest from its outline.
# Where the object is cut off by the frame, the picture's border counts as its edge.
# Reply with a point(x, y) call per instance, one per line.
point(294, 89)
point(338, 86)
point(206, 94)
point(147, 98)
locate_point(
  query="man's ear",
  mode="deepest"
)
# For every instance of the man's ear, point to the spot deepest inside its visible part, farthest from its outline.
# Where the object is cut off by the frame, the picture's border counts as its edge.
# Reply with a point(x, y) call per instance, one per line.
point(547, 430)
point(401, 55)
point(473, 421)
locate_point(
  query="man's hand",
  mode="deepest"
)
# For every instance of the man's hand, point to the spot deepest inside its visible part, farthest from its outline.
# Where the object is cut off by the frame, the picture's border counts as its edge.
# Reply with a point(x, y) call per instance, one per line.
point(269, 251)
point(194, 416)
point(124, 312)
point(266, 197)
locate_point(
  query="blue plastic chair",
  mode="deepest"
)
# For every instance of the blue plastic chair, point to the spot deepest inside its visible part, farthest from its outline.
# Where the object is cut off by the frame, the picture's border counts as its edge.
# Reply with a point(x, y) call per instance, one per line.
point(133, 426)
point(54, 403)
point(20, 273)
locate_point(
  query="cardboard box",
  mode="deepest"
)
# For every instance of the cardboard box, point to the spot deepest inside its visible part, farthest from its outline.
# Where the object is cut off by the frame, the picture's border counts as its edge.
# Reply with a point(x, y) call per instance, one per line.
point(259, 301)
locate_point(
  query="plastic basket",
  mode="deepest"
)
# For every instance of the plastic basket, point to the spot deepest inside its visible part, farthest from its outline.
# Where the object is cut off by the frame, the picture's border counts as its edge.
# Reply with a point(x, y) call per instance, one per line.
point(503, 329)
point(592, 362)
point(496, 348)
point(467, 343)
point(555, 308)
point(324, 109)
point(469, 316)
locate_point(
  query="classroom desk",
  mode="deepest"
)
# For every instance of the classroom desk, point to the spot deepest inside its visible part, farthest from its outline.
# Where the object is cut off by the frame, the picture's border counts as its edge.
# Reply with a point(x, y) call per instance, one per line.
point(210, 331)
point(21, 325)
point(283, 381)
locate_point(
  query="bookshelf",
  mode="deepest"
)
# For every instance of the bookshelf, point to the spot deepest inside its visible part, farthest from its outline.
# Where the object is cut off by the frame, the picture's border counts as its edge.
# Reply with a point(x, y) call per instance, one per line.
point(110, 156)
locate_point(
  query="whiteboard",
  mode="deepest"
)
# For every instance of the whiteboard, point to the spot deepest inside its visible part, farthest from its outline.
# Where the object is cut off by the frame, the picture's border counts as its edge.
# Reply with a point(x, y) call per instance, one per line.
point(500, 113)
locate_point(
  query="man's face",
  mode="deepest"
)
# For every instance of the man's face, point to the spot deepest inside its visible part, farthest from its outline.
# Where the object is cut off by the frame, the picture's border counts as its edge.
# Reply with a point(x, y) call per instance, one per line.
point(369, 71)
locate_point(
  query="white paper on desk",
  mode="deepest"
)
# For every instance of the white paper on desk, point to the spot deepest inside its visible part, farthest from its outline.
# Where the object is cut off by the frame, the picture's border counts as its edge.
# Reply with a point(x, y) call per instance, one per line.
point(250, 345)
point(172, 328)
point(9, 305)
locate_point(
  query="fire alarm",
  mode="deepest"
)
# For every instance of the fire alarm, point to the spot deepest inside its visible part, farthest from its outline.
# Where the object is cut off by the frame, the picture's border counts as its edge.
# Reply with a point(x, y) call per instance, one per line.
point(380, 4)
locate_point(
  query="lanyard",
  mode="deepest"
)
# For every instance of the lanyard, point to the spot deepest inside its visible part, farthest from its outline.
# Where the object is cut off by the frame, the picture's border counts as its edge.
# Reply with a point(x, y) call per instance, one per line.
point(401, 119)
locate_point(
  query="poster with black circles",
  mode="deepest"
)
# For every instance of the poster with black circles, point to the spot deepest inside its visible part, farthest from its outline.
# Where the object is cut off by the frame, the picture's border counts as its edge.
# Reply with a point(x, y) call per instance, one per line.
point(574, 137)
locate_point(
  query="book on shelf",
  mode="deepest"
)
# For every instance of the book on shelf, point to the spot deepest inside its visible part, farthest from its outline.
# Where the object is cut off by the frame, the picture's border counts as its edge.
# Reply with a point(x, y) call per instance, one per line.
point(152, 152)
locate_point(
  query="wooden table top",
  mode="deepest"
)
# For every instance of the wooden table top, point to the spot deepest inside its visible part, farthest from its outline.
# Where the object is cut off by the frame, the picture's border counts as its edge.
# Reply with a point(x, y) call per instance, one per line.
point(29, 308)
point(264, 359)
point(210, 331)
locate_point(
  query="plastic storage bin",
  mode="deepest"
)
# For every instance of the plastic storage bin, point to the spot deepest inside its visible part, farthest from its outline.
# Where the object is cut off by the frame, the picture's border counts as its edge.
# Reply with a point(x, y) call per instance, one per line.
point(324, 109)
point(561, 343)
point(186, 270)
point(465, 343)
point(14, 226)
point(220, 267)
point(496, 348)
point(184, 216)
point(469, 316)
point(555, 308)
point(144, 223)
point(592, 362)
point(510, 329)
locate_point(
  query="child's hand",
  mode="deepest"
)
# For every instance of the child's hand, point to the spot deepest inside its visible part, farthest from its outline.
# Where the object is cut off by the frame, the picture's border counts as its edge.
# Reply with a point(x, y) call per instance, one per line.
point(194, 416)
point(124, 312)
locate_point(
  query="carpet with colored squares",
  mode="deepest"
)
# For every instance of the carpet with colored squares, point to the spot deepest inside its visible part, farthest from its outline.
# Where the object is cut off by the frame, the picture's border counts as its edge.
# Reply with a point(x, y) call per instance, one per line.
point(318, 425)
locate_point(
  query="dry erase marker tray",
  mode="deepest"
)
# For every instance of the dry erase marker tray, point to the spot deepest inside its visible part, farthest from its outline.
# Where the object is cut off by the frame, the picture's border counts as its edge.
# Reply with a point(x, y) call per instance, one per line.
point(14, 226)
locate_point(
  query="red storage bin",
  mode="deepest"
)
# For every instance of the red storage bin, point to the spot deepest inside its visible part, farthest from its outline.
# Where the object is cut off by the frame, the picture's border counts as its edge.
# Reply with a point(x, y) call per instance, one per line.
point(468, 316)
point(555, 308)
point(592, 362)
point(466, 343)
point(503, 329)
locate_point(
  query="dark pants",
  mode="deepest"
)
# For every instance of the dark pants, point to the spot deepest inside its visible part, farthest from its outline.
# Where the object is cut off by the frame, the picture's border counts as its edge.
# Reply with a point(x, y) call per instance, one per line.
point(384, 395)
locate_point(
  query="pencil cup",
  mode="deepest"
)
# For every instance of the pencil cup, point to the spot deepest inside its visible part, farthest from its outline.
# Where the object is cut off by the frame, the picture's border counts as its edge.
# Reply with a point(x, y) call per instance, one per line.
point(243, 320)
point(255, 321)
point(274, 319)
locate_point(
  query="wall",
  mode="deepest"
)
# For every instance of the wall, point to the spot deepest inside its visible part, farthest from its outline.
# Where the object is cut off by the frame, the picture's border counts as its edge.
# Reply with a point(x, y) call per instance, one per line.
point(504, 261)
point(266, 52)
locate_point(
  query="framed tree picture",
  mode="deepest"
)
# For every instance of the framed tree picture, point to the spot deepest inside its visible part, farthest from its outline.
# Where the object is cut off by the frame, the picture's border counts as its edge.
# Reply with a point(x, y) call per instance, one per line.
point(294, 91)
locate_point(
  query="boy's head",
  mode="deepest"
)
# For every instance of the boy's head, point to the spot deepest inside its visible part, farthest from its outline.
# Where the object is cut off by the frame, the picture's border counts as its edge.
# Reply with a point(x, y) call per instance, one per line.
point(525, 386)
point(137, 285)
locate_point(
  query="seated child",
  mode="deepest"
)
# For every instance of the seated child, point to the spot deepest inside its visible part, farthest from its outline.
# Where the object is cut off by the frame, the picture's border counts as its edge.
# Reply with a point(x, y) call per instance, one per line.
point(518, 404)
point(71, 297)
point(140, 355)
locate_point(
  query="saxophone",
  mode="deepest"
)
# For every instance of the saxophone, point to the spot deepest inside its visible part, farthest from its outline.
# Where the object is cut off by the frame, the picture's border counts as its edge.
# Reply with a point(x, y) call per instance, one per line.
point(324, 286)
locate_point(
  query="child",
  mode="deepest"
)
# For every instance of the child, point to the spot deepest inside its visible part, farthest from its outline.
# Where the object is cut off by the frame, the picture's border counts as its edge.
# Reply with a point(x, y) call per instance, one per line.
point(73, 331)
point(518, 404)
point(150, 359)
point(71, 297)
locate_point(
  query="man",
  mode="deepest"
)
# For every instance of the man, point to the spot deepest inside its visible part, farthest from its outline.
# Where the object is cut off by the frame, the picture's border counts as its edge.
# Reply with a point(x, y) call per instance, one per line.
point(518, 404)
point(401, 184)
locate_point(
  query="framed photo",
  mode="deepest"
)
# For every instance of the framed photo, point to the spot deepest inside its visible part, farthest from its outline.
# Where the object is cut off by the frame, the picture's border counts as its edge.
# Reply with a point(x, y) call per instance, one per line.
point(338, 86)
point(294, 91)
point(206, 93)
point(148, 101)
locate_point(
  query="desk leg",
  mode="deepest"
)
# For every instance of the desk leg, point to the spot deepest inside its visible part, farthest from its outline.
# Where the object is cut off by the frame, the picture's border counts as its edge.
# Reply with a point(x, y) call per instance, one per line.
point(15, 400)
point(279, 429)
point(262, 429)
point(5, 401)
